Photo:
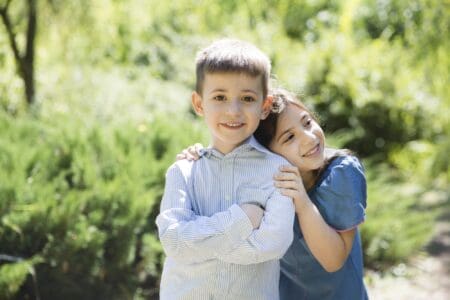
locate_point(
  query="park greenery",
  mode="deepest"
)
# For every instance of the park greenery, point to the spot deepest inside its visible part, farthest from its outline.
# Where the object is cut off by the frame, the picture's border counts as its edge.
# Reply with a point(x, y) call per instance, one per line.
point(83, 159)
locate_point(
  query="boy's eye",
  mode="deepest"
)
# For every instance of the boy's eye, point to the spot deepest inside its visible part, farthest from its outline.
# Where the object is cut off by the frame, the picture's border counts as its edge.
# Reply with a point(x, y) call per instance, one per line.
point(219, 98)
point(248, 98)
point(308, 123)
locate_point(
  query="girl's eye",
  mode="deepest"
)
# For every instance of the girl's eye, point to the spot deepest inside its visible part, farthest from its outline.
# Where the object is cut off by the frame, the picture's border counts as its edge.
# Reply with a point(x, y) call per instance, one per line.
point(308, 123)
point(288, 138)
point(248, 99)
point(219, 98)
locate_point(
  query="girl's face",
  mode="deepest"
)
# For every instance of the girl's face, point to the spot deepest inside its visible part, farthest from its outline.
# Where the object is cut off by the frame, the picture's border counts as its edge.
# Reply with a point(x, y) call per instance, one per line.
point(299, 139)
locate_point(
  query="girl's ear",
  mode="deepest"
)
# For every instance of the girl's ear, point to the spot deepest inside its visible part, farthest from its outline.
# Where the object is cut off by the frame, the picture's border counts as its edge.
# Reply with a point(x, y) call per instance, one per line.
point(267, 107)
point(197, 103)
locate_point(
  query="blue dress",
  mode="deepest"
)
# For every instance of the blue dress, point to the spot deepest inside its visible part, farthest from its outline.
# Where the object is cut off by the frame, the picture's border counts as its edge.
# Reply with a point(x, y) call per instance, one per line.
point(340, 196)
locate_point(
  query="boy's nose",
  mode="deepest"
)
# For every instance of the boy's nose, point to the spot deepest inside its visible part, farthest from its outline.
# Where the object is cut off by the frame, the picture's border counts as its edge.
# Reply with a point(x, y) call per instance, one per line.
point(234, 107)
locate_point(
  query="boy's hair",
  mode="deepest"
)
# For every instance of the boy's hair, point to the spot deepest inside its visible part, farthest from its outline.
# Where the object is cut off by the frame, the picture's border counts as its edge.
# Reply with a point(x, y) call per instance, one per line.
point(230, 55)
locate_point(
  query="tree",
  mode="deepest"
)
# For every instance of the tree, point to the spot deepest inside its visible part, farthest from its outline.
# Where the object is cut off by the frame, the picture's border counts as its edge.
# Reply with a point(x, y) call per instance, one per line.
point(24, 59)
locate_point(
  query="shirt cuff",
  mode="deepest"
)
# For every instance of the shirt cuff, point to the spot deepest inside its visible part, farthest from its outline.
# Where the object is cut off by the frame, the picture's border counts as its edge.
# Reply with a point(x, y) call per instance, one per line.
point(241, 227)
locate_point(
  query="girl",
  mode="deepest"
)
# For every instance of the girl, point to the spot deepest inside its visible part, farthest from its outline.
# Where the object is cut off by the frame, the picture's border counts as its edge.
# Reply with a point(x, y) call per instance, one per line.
point(328, 188)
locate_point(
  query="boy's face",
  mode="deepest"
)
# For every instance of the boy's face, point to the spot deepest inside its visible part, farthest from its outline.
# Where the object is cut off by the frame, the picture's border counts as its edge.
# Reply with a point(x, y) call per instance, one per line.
point(233, 105)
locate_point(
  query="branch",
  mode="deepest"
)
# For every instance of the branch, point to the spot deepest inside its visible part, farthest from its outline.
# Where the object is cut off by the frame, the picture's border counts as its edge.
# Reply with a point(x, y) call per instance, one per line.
point(31, 31)
point(10, 258)
point(5, 8)
point(11, 36)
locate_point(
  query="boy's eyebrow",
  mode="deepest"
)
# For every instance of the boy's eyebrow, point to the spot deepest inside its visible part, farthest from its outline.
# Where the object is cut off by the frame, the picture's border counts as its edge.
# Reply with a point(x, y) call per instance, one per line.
point(243, 91)
point(217, 90)
point(249, 90)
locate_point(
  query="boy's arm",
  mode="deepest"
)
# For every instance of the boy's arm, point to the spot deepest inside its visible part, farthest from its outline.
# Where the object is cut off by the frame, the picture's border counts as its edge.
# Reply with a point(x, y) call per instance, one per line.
point(193, 238)
point(273, 237)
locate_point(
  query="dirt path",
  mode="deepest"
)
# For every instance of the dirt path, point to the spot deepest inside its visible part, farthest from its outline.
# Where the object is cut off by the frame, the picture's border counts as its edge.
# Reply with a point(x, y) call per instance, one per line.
point(425, 277)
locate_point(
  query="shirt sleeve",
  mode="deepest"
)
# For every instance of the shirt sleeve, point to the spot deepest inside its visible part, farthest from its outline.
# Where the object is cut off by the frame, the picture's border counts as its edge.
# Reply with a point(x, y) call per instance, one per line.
point(193, 238)
point(341, 196)
point(273, 237)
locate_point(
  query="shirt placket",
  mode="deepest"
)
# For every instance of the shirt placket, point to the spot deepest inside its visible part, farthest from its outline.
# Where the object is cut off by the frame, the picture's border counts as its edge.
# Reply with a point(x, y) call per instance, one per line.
point(227, 175)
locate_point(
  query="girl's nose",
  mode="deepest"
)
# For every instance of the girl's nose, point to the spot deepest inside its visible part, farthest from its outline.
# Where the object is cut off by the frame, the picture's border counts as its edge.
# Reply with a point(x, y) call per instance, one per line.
point(307, 137)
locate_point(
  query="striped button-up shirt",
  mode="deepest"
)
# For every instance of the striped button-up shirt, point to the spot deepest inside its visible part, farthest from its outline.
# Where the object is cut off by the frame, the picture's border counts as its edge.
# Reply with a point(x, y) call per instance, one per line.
point(212, 251)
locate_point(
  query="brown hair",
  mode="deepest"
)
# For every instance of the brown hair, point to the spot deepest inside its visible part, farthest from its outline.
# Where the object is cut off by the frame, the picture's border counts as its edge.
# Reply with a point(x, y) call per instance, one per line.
point(230, 55)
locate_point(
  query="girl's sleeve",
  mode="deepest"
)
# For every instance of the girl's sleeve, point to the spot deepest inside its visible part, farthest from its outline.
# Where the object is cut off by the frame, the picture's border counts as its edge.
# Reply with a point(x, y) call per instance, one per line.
point(341, 196)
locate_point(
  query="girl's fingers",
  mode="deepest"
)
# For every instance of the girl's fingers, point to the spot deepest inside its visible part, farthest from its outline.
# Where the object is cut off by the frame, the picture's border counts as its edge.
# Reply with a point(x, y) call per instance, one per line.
point(191, 150)
point(288, 193)
point(188, 155)
point(180, 156)
point(198, 147)
point(292, 185)
point(286, 176)
point(290, 169)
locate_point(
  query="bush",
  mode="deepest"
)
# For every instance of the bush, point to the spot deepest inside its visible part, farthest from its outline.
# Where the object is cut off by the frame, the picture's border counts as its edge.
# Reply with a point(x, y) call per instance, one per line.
point(398, 222)
point(78, 206)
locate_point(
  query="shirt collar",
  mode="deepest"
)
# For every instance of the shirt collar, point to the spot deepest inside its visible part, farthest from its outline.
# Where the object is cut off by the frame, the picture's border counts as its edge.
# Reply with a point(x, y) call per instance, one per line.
point(250, 143)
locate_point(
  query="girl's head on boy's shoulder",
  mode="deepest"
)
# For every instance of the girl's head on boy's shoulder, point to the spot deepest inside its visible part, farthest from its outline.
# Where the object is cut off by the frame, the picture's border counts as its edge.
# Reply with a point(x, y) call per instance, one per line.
point(292, 130)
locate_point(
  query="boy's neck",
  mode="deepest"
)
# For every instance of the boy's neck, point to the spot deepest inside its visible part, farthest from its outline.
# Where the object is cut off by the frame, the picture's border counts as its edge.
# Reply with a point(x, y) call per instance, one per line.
point(228, 148)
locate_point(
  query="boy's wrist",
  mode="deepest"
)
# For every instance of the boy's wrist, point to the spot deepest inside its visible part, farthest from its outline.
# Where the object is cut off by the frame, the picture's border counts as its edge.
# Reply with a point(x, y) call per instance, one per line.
point(255, 203)
point(254, 213)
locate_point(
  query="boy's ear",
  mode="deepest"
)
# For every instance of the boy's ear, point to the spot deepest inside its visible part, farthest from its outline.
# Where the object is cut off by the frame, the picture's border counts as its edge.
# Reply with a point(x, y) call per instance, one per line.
point(197, 103)
point(267, 107)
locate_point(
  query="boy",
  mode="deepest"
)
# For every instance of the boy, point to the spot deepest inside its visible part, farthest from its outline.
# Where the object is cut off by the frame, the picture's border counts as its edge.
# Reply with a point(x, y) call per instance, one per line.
point(223, 225)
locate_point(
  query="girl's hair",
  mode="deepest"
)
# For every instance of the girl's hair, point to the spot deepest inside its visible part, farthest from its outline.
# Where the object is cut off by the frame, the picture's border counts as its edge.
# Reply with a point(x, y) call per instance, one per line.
point(267, 128)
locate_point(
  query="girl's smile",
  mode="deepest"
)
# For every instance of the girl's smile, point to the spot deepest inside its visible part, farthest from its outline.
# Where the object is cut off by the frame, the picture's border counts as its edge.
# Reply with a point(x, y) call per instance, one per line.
point(302, 143)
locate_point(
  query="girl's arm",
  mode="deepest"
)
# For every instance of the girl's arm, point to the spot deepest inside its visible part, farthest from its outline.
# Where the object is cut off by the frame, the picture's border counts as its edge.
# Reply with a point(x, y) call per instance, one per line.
point(330, 247)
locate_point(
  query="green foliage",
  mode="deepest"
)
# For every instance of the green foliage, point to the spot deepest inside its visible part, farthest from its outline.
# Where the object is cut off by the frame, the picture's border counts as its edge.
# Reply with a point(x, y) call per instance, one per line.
point(83, 170)
point(306, 19)
point(398, 222)
point(12, 276)
point(84, 200)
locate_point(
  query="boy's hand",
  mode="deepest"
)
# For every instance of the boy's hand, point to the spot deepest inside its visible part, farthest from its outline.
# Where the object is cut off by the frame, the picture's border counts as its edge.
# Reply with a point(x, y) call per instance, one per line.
point(191, 152)
point(254, 213)
point(290, 184)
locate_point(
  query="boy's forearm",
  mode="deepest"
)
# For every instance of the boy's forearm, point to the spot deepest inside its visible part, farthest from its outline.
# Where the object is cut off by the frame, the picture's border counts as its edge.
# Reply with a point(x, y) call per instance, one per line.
point(193, 238)
point(271, 240)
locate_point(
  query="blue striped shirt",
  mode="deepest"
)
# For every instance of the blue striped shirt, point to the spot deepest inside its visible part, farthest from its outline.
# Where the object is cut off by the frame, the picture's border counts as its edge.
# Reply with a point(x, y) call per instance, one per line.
point(212, 251)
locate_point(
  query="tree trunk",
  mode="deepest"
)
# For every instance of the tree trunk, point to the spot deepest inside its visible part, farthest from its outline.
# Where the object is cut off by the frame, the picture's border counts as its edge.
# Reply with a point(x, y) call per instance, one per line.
point(28, 61)
point(25, 61)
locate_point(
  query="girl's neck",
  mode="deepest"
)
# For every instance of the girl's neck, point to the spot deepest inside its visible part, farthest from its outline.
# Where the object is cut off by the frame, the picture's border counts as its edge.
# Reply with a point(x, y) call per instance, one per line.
point(309, 178)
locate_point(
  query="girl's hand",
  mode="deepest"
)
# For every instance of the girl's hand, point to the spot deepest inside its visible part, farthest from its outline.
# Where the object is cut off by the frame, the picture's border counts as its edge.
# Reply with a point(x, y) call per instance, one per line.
point(290, 184)
point(190, 153)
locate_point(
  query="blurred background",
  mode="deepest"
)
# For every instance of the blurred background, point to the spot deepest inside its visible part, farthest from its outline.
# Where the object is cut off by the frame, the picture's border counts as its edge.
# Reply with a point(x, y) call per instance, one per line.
point(95, 104)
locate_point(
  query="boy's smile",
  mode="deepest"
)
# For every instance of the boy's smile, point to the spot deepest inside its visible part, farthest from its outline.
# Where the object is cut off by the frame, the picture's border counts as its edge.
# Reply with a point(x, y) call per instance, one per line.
point(232, 104)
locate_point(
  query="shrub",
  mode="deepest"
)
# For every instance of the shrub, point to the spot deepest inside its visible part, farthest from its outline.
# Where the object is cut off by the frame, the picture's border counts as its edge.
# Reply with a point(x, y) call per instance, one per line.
point(78, 206)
